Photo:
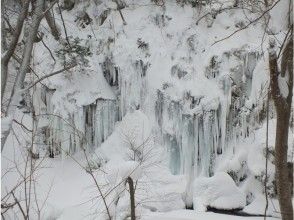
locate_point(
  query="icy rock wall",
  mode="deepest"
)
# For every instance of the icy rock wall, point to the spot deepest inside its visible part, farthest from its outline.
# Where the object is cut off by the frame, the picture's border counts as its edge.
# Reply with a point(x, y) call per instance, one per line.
point(87, 127)
point(130, 85)
point(195, 133)
point(133, 87)
point(145, 61)
point(100, 118)
point(192, 140)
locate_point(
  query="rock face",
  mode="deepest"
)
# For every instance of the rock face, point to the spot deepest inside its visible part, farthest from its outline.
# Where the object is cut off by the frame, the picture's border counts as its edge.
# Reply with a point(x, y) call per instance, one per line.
point(219, 192)
point(199, 100)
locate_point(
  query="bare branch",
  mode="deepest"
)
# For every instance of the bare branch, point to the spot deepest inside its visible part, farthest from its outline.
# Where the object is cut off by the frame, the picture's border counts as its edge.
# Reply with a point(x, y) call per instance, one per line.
point(49, 75)
point(19, 206)
point(11, 48)
point(246, 26)
point(22, 125)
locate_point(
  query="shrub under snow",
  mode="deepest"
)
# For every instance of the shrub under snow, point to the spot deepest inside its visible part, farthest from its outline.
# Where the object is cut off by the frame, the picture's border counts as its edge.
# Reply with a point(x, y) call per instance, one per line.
point(218, 191)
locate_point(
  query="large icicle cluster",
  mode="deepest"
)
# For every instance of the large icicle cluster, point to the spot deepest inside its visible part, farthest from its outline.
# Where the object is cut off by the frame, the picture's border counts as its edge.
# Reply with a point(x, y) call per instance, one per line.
point(198, 97)
point(86, 127)
point(195, 132)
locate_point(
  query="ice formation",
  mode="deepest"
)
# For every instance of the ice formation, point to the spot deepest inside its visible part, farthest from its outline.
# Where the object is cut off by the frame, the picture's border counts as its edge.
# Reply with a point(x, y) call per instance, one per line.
point(194, 127)
point(202, 100)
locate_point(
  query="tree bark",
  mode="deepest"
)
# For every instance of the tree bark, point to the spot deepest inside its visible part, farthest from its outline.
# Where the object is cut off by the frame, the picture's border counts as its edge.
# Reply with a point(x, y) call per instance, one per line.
point(11, 47)
point(132, 198)
point(53, 27)
point(19, 82)
point(283, 109)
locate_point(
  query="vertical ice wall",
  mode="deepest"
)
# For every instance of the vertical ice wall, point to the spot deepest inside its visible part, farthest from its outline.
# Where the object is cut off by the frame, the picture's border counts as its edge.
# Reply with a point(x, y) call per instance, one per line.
point(100, 118)
point(194, 139)
point(132, 87)
point(129, 84)
point(86, 127)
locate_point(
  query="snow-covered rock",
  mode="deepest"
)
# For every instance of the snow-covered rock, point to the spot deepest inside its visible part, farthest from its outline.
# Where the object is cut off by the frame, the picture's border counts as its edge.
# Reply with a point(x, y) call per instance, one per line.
point(218, 192)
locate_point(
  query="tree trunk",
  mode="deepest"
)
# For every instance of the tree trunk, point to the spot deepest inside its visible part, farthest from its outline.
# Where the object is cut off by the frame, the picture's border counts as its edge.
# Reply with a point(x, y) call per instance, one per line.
point(11, 48)
point(19, 82)
point(53, 27)
point(283, 109)
point(132, 198)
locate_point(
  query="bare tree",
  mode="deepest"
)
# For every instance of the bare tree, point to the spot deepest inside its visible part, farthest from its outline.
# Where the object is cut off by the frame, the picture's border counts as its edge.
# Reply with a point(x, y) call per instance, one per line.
point(18, 88)
point(19, 82)
point(12, 45)
point(282, 96)
point(55, 31)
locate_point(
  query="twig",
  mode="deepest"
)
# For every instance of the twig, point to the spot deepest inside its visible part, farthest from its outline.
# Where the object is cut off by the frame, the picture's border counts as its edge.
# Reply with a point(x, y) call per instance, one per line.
point(218, 12)
point(90, 171)
point(285, 39)
point(119, 10)
point(63, 24)
point(22, 125)
point(19, 206)
point(51, 54)
point(49, 75)
point(246, 26)
point(18, 59)
point(266, 155)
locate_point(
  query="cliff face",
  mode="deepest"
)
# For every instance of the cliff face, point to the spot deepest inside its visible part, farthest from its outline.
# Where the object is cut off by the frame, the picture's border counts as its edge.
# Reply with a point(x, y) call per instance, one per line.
point(200, 97)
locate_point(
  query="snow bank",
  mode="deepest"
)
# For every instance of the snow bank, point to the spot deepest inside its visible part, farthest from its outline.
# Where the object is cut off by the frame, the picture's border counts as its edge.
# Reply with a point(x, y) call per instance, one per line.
point(131, 151)
point(257, 207)
point(218, 192)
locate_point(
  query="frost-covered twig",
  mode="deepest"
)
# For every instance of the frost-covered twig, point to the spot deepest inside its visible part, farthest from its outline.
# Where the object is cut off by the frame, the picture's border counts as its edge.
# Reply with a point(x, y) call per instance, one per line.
point(250, 23)
point(50, 52)
point(63, 23)
point(285, 39)
point(90, 171)
point(22, 125)
point(119, 10)
point(49, 75)
point(266, 155)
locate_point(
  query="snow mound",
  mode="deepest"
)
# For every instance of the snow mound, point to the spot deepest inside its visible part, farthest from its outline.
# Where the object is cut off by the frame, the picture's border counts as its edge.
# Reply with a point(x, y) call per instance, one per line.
point(218, 192)
point(258, 205)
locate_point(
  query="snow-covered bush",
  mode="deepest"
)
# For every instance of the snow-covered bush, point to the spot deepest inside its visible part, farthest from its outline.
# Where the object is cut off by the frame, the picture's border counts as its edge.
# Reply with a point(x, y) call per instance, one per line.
point(218, 191)
point(74, 49)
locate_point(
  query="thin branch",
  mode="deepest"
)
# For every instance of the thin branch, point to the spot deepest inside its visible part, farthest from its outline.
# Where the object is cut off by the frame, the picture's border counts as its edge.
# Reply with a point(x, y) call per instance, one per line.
point(284, 41)
point(246, 26)
point(215, 13)
point(266, 155)
point(22, 125)
point(63, 24)
point(119, 7)
point(19, 206)
point(49, 75)
point(50, 52)
point(18, 59)
point(90, 171)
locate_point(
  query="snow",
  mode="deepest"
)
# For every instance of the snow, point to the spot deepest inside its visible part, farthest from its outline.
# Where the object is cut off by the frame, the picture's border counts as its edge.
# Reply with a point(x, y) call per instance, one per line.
point(5, 124)
point(258, 206)
point(283, 85)
point(218, 192)
point(191, 215)
point(172, 115)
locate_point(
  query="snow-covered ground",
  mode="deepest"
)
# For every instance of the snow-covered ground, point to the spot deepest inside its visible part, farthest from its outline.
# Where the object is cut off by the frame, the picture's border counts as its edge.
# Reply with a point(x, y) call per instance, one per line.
point(156, 100)
point(191, 215)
